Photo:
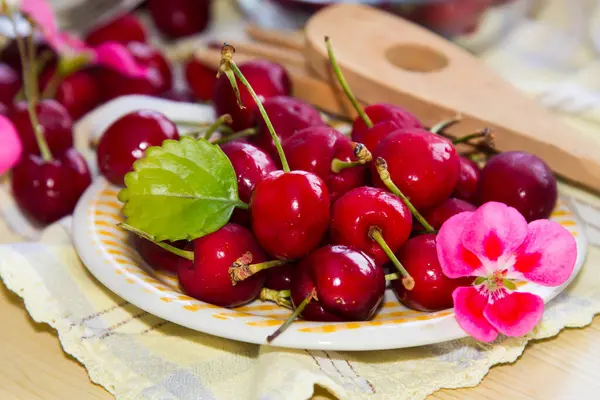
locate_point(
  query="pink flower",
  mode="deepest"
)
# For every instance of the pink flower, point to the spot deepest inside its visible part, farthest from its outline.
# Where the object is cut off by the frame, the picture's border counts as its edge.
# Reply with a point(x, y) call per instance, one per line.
point(11, 148)
point(495, 244)
point(73, 51)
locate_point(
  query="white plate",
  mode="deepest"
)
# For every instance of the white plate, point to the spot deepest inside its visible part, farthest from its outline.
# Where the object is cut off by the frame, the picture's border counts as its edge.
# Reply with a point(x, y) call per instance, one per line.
point(106, 252)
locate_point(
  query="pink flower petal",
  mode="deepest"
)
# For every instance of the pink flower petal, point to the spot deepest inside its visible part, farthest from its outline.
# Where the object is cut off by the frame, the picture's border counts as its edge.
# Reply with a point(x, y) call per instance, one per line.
point(548, 254)
point(115, 56)
point(515, 314)
point(72, 42)
point(41, 12)
point(495, 231)
point(469, 304)
point(455, 260)
point(11, 148)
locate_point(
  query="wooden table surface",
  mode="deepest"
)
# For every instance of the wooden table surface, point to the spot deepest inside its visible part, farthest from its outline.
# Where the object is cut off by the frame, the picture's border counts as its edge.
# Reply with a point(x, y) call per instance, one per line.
point(33, 365)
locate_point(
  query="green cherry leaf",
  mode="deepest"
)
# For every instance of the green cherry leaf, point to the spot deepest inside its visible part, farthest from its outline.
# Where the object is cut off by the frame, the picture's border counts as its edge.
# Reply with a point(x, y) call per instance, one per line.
point(181, 190)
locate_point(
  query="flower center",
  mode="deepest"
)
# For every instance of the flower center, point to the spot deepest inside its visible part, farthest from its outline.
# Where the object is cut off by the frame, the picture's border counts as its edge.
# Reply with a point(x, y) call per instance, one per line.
point(495, 285)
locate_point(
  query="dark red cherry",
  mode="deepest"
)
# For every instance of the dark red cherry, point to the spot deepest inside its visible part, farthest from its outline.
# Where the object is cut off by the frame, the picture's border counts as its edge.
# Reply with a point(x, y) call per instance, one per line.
point(55, 120)
point(122, 29)
point(48, 191)
point(156, 256)
point(288, 116)
point(280, 278)
point(466, 187)
point(200, 78)
point(208, 278)
point(182, 95)
point(433, 290)
point(349, 286)
point(440, 214)
point(356, 212)
point(268, 79)
point(126, 140)
point(151, 57)
point(452, 17)
point(290, 213)
point(79, 93)
point(313, 149)
point(251, 165)
point(179, 18)
point(10, 83)
point(423, 165)
point(521, 180)
point(10, 53)
point(386, 119)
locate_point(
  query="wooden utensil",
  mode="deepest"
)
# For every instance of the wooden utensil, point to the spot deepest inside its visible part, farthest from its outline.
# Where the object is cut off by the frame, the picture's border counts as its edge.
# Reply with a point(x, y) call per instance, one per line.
point(387, 59)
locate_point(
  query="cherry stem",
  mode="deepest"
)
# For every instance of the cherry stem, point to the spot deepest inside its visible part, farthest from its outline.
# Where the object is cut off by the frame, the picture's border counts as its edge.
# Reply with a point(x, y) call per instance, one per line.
point(238, 135)
point(384, 175)
point(280, 297)
point(440, 126)
point(242, 268)
point(223, 119)
point(485, 133)
point(407, 280)
point(295, 314)
point(342, 81)
point(360, 152)
point(188, 255)
point(231, 70)
point(392, 277)
point(52, 86)
point(30, 85)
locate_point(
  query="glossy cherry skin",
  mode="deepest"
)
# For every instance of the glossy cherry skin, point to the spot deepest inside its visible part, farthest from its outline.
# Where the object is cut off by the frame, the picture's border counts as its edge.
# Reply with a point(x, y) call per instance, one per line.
point(251, 165)
point(288, 116)
point(179, 18)
point(440, 214)
point(280, 278)
point(268, 79)
point(466, 187)
point(386, 119)
point(290, 213)
point(126, 140)
point(521, 180)
point(79, 93)
point(123, 29)
point(48, 191)
point(433, 290)
point(10, 83)
point(313, 149)
point(349, 286)
point(156, 256)
point(353, 215)
point(201, 79)
point(207, 279)
point(423, 165)
point(55, 120)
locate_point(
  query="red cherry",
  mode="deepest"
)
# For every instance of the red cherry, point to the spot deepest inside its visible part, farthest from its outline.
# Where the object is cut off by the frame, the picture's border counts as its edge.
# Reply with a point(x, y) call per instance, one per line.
point(251, 165)
point(440, 214)
point(466, 187)
point(386, 119)
point(126, 140)
point(520, 180)
point(433, 290)
point(201, 79)
point(423, 165)
point(10, 83)
point(290, 213)
point(79, 93)
point(356, 212)
point(348, 284)
point(123, 29)
point(179, 18)
point(56, 123)
point(313, 149)
point(288, 116)
point(152, 58)
point(157, 257)
point(452, 17)
point(208, 278)
point(280, 278)
point(266, 78)
point(48, 191)
point(182, 95)
point(10, 53)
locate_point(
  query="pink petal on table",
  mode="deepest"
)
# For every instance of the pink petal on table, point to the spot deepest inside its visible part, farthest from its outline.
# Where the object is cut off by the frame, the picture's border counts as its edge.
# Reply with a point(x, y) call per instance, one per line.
point(41, 12)
point(469, 304)
point(11, 148)
point(115, 56)
point(548, 254)
point(456, 261)
point(495, 231)
point(516, 314)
